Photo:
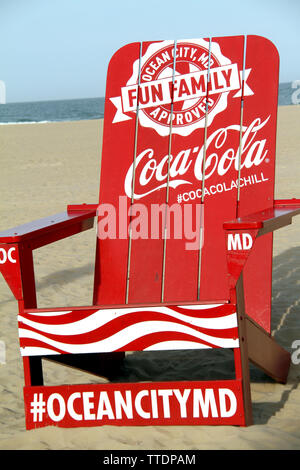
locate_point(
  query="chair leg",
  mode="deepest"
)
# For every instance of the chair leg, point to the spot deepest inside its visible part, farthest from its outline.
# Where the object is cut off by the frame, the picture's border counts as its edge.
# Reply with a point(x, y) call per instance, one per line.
point(241, 354)
point(257, 346)
point(33, 370)
point(265, 353)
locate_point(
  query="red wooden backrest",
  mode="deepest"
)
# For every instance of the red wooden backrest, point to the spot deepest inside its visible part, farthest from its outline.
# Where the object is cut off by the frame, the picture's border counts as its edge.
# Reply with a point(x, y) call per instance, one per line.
point(192, 124)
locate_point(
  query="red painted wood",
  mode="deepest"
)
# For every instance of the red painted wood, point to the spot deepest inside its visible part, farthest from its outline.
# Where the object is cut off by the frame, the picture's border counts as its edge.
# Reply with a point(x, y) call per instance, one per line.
point(117, 156)
point(265, 217)
point(146, 257)
point(135, 404)
point(29, 299)
point(223, 133)
point(92, 307)
point(26, 371)
point(82, 207)
point(220, 174)
point(259, 92)
point(239, 245)
point(181, 267)
point(41, 227)
point(257, 173)
point(260, 109)
point(10, 268)
point(287, 202)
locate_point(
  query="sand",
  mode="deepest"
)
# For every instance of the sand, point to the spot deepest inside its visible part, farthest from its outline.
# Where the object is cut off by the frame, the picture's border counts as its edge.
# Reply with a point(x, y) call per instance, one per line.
point(44, 167)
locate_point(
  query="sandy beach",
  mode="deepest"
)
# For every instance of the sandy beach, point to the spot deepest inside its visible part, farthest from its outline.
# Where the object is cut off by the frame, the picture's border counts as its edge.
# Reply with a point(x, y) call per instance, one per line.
point(46, 166)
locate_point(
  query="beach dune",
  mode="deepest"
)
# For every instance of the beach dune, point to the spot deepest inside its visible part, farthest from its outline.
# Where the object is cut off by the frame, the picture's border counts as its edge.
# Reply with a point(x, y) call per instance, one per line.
point(45, 167)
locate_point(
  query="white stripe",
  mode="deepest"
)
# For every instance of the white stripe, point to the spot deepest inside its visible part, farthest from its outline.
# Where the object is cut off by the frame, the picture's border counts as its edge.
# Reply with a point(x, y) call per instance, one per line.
point(200, 307)
point(49, 314)
point(37, 351)
point(173, 345)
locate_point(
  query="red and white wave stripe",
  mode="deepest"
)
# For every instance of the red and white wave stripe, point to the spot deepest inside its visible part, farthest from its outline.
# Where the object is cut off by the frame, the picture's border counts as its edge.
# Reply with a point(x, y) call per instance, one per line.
point(128, 329)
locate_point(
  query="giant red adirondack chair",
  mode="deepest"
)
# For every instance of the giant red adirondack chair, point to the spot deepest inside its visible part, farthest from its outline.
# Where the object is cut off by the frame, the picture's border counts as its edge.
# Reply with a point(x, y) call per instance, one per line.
point(185, 220)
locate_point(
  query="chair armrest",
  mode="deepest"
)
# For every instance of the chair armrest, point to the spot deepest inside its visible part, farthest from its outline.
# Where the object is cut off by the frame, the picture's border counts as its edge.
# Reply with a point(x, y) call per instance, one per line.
point(50, 229)
point(268, 220)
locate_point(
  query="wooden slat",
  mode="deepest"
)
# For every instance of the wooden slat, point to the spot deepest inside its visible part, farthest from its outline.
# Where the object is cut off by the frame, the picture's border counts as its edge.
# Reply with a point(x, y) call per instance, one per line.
point(147, 270)
point(241, 354)
point(117, 306)
point(268, 355)
point(258, 168)
point(183, 266)
point(223, 143)
point(117, 156)
point(42, 227)
point(279, 215)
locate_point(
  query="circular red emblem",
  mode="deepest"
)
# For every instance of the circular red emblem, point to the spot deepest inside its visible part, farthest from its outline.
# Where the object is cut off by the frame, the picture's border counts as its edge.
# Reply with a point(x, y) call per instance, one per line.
point(190, 58)
point(188, 75)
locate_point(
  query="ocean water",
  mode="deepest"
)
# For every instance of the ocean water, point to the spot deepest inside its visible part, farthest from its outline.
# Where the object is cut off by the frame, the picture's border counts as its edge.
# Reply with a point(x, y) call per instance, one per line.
point(49, 111)
point(81, 109)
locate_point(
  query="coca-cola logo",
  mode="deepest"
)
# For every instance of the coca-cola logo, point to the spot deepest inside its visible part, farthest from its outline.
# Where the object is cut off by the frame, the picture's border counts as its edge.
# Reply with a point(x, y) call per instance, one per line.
point(161, 79)
point(151, 171)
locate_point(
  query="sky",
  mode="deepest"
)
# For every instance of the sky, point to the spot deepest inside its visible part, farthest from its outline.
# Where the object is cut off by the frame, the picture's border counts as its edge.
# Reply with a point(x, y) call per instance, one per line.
point(60, 49)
